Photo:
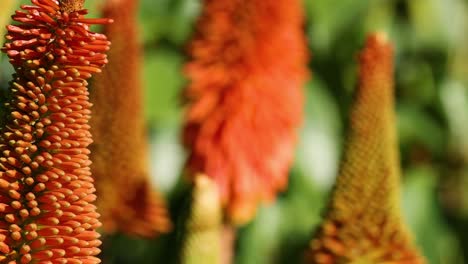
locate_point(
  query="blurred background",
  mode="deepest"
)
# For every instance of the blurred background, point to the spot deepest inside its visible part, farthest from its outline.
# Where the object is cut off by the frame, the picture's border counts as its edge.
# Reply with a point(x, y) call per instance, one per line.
point(430, 39)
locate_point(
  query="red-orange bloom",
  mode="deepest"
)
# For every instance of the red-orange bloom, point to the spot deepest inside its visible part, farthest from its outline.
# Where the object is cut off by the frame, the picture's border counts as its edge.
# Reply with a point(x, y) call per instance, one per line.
point(46, 189)
point(126, 200)
point(245, 99)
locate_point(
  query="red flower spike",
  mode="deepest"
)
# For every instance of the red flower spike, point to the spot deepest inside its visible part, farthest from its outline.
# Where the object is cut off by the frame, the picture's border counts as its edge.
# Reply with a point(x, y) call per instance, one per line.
point(46, 189)
point(126, 200)
point(245, 99)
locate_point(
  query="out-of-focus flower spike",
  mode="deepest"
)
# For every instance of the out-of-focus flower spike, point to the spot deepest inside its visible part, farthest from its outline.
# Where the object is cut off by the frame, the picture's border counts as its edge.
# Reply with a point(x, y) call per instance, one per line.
point(6, 8)
point(203, 231)
point(245, 99)
point(363, 223)
point(126, 199)
point(46, 188)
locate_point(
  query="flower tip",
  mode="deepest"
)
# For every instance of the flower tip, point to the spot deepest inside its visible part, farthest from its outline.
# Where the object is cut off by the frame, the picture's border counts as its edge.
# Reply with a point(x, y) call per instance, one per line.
point(381, 37)
point(203, 184)
point(202, 181)
point(379, 40)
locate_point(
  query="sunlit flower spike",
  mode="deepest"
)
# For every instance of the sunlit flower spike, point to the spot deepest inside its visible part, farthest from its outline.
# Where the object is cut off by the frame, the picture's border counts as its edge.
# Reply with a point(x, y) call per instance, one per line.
point(363, 223)
point(47, 214)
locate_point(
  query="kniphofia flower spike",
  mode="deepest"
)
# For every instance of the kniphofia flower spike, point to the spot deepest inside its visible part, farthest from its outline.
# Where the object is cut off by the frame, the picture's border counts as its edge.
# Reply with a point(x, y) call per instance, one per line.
point(363, 223)
point(203, 230)
point(46, 190)
point(245, 99)
point(6, 7)
point(126, 199)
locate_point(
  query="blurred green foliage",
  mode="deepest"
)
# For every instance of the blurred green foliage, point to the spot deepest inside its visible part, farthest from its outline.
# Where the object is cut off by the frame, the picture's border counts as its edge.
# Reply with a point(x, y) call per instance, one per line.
point(432, 107)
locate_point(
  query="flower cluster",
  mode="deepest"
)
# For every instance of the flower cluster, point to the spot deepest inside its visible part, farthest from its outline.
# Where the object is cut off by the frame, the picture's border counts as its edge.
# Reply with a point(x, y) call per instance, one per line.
point(46, 188)
point(363, 223)
point(126, 200)
point(244, 99)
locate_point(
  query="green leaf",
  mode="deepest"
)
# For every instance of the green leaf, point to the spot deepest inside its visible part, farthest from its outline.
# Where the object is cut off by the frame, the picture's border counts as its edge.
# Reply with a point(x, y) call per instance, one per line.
point(163, 84)
point(424, 217)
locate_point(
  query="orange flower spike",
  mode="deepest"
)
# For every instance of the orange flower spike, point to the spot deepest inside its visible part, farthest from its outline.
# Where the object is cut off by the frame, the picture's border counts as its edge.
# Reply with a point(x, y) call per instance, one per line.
point(126, 200)
point(245, 99)
point(46, 189)
point(363, 223)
